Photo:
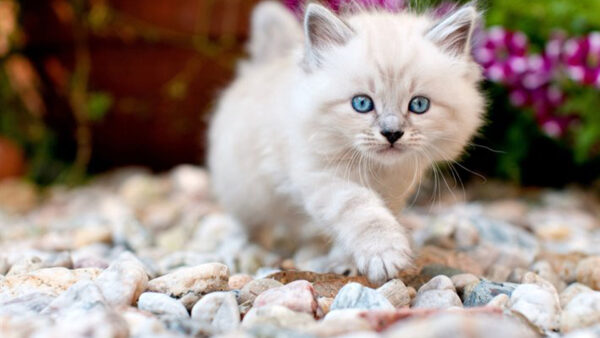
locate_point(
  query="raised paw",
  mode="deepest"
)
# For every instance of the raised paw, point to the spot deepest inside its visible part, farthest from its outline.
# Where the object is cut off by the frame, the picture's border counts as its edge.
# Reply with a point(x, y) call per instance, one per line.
point(382, 257)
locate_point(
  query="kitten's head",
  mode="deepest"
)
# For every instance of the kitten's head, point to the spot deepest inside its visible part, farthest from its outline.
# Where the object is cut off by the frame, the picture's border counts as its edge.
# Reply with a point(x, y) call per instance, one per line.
point(391, 86)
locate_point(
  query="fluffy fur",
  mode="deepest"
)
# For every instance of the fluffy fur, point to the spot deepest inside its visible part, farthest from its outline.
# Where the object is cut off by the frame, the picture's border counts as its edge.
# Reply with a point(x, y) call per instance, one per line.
point(287, 148)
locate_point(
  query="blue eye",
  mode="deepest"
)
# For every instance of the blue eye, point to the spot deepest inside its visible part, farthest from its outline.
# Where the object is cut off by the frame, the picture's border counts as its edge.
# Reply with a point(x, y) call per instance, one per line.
point(362, 104)
point(419, 105)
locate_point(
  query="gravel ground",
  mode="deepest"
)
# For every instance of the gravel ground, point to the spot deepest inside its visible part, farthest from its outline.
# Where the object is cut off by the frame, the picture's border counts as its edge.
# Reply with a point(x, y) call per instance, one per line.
point(142, 255)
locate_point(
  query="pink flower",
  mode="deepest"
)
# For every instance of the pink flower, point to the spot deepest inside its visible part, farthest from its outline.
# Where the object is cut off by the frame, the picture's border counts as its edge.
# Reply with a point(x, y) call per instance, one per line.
point(582, 59)
point(502, 54)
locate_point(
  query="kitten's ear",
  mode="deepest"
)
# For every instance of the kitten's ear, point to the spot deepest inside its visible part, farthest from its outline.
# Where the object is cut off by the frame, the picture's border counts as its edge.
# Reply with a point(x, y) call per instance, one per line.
point(274, 31)
point(323, 29)
point(453, 33)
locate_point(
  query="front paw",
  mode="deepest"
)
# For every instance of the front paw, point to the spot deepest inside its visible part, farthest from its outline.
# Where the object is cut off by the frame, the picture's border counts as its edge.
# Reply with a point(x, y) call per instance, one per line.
point(382, 256)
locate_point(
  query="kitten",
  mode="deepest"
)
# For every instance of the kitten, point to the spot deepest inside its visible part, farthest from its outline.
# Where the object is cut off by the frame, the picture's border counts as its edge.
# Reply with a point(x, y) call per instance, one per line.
point(335, 124)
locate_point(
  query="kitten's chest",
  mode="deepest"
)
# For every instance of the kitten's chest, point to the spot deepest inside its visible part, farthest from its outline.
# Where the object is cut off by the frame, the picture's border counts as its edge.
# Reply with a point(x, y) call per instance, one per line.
point(395, 186)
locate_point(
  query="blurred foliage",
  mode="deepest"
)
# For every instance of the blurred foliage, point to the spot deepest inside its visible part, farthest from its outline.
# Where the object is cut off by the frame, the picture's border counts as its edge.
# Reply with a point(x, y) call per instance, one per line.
point(579, 149)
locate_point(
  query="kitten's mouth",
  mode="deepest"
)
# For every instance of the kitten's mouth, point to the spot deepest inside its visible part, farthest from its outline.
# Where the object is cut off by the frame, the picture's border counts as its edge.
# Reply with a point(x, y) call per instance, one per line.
point(389, 150)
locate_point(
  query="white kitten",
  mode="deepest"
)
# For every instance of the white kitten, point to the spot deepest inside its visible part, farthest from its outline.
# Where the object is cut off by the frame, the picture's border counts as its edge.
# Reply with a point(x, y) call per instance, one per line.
point(335, 127)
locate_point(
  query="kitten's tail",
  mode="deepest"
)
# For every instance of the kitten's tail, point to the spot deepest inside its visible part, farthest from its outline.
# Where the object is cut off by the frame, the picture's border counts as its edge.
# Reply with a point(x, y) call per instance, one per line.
point(274, 32)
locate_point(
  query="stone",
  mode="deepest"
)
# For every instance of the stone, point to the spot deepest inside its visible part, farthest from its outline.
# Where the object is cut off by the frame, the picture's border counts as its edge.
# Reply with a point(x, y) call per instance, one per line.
point(565, 265)
point(460, 324)
point(30, 304)
point(356, 296)
point(571, 291)
point(219, 310)
point(123, 281)
point(190, 283)
point(297, 296)
point(498, 273)
point(341, 322)
point(483, 292)
point(190, 180)
point(144, 324)
point(539, 304)
point(256, 287)
point(277, 315)
point(238, 281)
point(92, 234)
point(582, 311)
point(588, 332)
point(500, 301)
point(323, 306)
point(545, 270)
point(588, 272)
point(25, 265)
point(396, 293)
point(102, 323)
point(440, 282)
point(81, 297)
point(461, 281)
point(438, 293)
point(436, 299)
point(161, 304)
point(51, 281)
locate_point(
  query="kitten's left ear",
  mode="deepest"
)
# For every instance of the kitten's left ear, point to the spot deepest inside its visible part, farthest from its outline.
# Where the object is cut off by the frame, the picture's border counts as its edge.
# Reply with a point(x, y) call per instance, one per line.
point(453, 33)
point(323, 30)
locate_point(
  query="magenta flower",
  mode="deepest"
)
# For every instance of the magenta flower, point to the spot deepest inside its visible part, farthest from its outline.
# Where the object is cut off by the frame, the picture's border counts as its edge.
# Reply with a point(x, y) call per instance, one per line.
point(582, 59)
point(502, 54)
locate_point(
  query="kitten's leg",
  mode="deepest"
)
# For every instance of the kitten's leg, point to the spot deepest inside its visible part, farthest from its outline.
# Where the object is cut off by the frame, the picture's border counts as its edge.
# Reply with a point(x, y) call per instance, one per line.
point(361, 224)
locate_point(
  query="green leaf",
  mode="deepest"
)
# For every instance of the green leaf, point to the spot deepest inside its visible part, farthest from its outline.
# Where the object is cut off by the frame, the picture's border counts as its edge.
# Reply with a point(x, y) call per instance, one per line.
point(98, 105)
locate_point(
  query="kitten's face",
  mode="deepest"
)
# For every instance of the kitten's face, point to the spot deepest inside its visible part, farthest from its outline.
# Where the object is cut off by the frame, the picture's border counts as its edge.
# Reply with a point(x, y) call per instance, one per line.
point(391, 93)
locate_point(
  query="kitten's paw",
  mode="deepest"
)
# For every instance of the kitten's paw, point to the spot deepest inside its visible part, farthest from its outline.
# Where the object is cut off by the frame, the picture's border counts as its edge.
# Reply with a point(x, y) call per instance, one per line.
point(382, 257)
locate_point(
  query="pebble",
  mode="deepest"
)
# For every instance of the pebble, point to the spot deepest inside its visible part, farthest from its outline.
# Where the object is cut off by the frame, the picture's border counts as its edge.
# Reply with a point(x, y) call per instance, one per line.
point(277, 315)
point(483, 292)
point(498, 273)
point(461, 281)
point(30, 304)
point(143, 324)
point(256, 287)
point(437, 299)
point(103, 323)
point(545, 270)
point(52, 281)
point(190, 283)
point(297, 296)
point(81, 297)
point(571, 291)
point(457, 324)
point(539, 304)
point(438, 293)
point(123, 281)
point(588, 332)
point(500, 301)
point(340, 322)
point(219, 310)
point(396, 292)
point(582, 311)
point(25, 265)
point(323, 306)
point(161, 304)
point(588, 272)
point(238, 281)
point(356, 296)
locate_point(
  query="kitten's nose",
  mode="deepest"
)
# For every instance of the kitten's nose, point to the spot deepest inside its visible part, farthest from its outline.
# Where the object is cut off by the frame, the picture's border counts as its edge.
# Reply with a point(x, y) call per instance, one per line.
point(392, 136)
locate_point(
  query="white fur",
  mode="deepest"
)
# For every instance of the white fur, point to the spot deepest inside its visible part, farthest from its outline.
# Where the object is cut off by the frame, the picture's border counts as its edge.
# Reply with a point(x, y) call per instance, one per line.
point(287, 148)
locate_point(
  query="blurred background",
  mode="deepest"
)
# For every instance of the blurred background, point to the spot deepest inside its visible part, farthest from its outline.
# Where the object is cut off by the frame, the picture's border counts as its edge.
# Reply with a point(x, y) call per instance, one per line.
point(91, 85)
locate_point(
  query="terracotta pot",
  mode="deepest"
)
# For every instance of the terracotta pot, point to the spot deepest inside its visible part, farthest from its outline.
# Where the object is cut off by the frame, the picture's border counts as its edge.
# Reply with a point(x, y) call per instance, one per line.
point(163, 64)
point(12, 162)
